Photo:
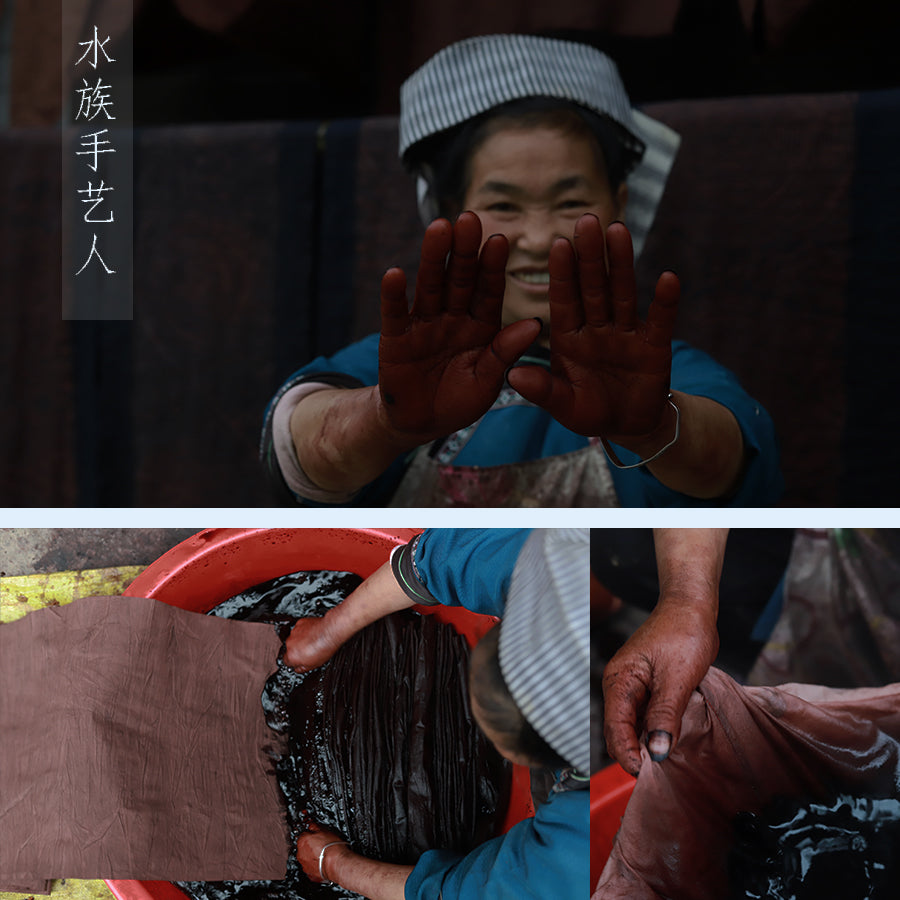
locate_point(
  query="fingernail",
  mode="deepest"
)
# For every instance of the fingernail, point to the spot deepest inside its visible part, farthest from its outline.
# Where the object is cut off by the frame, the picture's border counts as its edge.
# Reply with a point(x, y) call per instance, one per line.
point(659, 743)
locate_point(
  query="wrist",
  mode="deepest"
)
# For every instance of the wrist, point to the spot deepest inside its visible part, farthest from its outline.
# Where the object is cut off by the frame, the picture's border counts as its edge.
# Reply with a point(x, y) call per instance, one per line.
point(652, 445)
point(332, 632)
point(691, 607)
point(342, 438)
point(332, 857)
point(699, 600)
point(397, 440)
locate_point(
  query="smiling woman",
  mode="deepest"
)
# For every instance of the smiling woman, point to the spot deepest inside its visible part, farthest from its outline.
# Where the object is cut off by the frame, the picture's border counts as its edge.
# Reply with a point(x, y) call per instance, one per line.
point(532, 184)
point(522, 359)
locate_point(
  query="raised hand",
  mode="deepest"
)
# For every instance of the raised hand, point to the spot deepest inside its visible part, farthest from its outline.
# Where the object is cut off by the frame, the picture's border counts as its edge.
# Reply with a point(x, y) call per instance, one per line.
point(609, 371)
point(442, 362)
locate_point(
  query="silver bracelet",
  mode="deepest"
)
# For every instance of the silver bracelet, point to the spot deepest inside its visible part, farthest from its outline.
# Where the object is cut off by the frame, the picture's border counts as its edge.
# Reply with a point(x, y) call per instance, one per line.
point(643, 462)
point(322, 859)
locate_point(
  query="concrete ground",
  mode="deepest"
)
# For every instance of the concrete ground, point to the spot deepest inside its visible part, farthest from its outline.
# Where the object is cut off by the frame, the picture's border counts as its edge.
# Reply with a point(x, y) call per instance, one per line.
point(29, 551)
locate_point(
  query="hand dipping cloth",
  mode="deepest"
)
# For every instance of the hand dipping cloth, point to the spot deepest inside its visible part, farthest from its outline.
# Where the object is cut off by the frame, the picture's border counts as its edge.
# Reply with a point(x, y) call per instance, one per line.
point(133, 744)
point(740, 750)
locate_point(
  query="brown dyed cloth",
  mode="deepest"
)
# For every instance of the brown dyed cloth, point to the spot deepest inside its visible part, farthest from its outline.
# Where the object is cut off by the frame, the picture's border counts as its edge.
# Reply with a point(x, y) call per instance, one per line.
point(133, 744)
point(739, 749)
point(400, 766)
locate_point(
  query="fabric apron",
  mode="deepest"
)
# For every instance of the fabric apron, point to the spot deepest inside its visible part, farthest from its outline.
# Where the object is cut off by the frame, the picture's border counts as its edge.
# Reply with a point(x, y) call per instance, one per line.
point(577, 479)
point(580, 478)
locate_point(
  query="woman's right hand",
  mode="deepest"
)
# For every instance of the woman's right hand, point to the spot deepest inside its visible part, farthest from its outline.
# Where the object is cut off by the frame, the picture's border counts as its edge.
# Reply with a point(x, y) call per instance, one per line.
point(313, 641)
point(310, 644)
point(442, 361)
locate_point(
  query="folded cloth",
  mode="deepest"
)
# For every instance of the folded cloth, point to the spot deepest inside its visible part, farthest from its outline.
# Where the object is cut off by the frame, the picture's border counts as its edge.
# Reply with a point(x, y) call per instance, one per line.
point(741, 749)
point(133, 744)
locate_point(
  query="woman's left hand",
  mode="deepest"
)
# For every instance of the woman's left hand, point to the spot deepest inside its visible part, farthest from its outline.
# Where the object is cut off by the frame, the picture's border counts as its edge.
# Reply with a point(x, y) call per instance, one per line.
point(648, 683)
point(609, 370)
point(309, 846)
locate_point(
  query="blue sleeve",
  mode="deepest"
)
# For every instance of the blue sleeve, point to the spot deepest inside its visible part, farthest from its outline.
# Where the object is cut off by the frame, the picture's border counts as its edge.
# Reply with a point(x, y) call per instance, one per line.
point(540, 857)
point(695, 372)
point(359, 361)
point(469, 567)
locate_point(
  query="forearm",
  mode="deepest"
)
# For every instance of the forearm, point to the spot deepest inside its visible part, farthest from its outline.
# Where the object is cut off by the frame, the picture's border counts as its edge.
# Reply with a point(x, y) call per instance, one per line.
point(689, 567)
point(378, 596)
point(707, 460)
point(342, 438)
point(374, 880)
point(313, 641)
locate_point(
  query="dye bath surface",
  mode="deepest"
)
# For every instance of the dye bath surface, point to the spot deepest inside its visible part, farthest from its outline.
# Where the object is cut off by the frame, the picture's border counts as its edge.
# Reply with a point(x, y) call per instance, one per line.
point(847, 847)
point(372, 776)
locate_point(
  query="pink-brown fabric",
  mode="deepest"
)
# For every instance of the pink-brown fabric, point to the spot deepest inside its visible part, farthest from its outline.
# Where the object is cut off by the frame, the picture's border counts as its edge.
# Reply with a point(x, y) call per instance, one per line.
point(840, 620)
point(739, 749)
point(133, 744)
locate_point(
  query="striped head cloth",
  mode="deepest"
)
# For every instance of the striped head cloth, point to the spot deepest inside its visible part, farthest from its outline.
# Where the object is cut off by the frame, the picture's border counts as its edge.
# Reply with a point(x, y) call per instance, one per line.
point(545, 640)
point(473, 76)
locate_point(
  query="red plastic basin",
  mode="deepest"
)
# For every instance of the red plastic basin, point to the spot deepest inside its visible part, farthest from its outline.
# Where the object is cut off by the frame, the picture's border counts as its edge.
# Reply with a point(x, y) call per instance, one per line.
point(610, 790)
point(218, 563)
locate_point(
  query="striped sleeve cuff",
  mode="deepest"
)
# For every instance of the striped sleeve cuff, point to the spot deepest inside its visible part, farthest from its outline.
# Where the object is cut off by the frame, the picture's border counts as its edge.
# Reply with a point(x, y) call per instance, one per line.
point(403, 565)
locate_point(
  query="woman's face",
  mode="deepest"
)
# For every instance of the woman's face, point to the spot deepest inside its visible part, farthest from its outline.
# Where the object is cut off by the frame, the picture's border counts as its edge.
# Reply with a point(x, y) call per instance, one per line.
point(533, 185)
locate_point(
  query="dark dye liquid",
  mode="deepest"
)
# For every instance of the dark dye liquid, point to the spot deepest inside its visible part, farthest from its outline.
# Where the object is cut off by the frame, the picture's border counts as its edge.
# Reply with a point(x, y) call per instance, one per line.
point(354, 765)
point(844, 847)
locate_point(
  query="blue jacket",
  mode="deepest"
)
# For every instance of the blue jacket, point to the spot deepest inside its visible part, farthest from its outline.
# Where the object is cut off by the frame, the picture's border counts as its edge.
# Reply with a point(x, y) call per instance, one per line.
point(544, 857)
point(523, 432)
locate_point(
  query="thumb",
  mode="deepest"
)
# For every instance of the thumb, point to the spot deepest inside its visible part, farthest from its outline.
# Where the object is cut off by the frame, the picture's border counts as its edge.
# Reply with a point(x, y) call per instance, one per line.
point(507, 346)
point(514, 339)
point(533, 383)
point(543, 389)
point(663, 721)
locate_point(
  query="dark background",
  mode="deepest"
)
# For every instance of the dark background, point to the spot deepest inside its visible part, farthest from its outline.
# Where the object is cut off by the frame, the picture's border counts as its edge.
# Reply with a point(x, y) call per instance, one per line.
point(303, 60)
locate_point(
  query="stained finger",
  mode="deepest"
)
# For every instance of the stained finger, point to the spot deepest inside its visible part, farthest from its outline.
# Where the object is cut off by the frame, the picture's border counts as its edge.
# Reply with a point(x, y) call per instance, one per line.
point(593, 280)
point(623, 746)
point(394, 306)
point(487, 298)
point(430, 278)
point(663, 310)
point(623, 700)
point(508, 345)
point(566, 313)
point(622, 286)
point(462, 267)
point(311, 826)
point(665, 710)
point(542, 389)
